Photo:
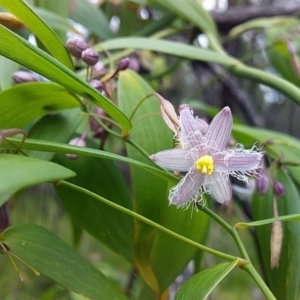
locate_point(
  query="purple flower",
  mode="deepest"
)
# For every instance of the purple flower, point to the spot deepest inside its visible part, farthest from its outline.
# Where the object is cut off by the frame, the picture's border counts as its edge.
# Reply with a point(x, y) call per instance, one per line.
point(202, 154)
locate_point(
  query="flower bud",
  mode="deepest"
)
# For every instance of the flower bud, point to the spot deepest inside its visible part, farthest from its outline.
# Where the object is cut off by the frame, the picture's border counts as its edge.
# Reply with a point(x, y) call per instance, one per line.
point(98, 69)
point(4, 217)
point(134, 64)
point(90, 56)
point(97, 84)
point(99, 133)
point(94, 125)
point(123, 64)
point(262, 181)
point(23, 76)
point(279, 189)
point(75, 46)
point(78, 141)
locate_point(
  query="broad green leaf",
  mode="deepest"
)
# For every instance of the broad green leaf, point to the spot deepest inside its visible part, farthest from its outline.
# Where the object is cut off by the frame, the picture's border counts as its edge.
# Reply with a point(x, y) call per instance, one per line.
point(41, 145)
point(58, 127)
point(201, 284)
point(45, 34)
point(14, 47)
point(193, 11)
point(159, 257)
point(107, 224)
point(92, 18)
point(244, 225)
point(18, 172)
point(284, 280)
point(50, 256)
point(24, 103)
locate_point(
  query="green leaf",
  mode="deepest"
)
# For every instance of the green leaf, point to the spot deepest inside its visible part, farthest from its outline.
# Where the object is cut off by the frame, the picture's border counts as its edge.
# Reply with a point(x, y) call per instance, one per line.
point(58, 127)
point(159, 257)
point(54, 20)
point(14, 47)
point(49, 255)
point(168, 47)
point(201, 284)
point(105, 223)
point(45, 34)
point(41, 145)
point(192, 11)
point(244, 225)
point(8, 67)
point(284, 280)
point(18, 172)
point(92, 18)
point(24, 103)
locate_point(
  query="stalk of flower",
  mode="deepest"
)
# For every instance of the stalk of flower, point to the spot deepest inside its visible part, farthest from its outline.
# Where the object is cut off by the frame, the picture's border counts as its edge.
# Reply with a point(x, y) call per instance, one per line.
point(202, 154)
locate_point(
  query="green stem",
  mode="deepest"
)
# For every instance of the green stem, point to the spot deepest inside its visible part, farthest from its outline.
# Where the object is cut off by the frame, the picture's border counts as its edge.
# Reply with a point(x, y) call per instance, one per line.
point(148, 222)
point(249, 266)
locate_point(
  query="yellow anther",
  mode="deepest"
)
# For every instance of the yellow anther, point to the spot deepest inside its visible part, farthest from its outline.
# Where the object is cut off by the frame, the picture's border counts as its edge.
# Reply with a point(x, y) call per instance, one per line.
point(205, 164)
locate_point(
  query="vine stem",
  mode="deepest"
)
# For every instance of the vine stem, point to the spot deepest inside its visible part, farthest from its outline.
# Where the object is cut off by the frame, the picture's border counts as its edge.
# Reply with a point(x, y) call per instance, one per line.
point(249, 268)
point(152, 223)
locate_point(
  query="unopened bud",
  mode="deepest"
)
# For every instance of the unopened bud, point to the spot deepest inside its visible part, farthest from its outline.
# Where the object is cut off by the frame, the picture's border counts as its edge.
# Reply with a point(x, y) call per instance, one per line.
point(94, 125)
point(99, 133)
point(23, 76)
point(279, 189)
point(97, 84)
point(78, 141)
point(4, 217)
point(134, 64)
point(168, 113)
point(98, 69)
point(75, 46)
point(262, 181)
point(123, 64)
point(90, 56)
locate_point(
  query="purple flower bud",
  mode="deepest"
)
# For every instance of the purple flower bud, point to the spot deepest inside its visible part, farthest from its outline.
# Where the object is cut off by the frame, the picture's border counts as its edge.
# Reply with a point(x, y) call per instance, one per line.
point(97, 84)
point(134, 64)
point(4, 217)
point(78, 141)
point(98, 69)
point(99, 133)
point(262, 182)
point(94, 125)
point(279, 189)
point(90, 56)
point(123, 64)
point(75, 46)
point(23, 76)
point(291, 48)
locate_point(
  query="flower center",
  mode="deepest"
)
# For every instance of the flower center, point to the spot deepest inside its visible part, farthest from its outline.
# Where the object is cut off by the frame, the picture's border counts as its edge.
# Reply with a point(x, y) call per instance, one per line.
point(205, 164)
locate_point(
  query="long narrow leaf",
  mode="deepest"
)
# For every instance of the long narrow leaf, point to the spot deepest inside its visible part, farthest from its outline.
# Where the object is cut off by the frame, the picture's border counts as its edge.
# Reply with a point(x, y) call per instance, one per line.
point(45, 34)
point(14, 47)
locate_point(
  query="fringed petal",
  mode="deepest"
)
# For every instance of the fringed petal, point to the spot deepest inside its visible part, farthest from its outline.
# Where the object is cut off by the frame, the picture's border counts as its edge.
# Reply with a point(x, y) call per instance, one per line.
point(186, 189)
point(190, 133)
point(176, 160)
point(237, 161)
point(220, 187)
point(219, 130)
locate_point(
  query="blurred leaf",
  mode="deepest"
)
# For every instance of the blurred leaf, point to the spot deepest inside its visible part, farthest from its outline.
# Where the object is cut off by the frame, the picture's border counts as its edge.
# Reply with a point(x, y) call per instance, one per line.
point(54, 20)
point(41, 145)
point(50, 40)
point(159, 257)
point(92, 17)
point(244, 225)
point(168, 47)
point(49, 255)
point(8, 67)
point(280, 57)
point(24, 103)
point(18, 172)
point(14, 47)
point(261, 23)
point(58, 127)
point(284, 280)
point(107, 224)
point(201, 284)
point(193, 11)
